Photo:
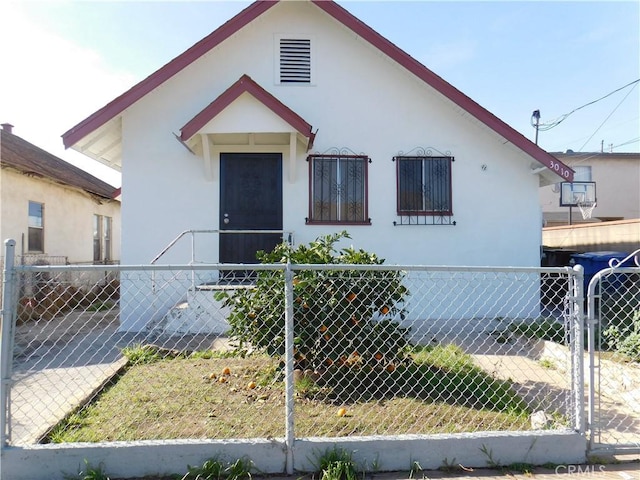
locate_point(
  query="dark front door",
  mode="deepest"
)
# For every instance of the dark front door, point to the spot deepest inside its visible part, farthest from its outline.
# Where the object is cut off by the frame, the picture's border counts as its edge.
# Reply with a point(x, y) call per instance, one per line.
point(250, 199)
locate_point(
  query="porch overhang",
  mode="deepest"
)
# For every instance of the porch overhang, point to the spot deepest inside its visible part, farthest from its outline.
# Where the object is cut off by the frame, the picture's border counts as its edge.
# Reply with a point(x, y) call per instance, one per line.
point(246, 113)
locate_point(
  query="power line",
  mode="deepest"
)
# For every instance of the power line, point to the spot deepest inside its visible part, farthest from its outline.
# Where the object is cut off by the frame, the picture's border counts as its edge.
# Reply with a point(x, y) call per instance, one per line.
point(608, 117)
point(543, 127)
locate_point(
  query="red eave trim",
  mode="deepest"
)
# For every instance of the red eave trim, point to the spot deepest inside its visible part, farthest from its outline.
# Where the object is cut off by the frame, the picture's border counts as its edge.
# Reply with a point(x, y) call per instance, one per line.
point(115, 107)
point(245, 84)
point(256, 9)
point(445, 88)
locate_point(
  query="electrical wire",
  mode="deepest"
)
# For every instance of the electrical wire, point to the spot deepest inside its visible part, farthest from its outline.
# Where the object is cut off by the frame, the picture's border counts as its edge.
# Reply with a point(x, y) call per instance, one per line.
point(608, 117)
point(543, 127)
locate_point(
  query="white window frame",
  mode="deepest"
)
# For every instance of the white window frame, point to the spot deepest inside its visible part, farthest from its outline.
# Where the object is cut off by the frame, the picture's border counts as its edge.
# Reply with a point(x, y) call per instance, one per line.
point(102, 238)
point(33, 227)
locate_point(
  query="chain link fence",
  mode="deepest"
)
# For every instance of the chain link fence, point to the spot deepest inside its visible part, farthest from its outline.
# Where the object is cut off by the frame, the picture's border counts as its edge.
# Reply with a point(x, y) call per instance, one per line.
point(106, 353)
point(614, 319)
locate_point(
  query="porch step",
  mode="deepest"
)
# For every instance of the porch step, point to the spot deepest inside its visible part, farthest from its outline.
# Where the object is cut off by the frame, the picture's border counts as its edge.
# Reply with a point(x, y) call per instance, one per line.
point(200, 313)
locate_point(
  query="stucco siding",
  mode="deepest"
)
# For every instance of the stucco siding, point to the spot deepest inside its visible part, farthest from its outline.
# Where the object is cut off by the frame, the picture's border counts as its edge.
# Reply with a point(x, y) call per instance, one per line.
point(360, 100)
point(68, 216)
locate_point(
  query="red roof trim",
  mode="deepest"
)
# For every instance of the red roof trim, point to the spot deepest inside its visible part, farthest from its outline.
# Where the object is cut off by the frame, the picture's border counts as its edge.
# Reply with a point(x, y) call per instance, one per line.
point(453, 94)
point(245, 84)
point(256, 9)
point(157, 78)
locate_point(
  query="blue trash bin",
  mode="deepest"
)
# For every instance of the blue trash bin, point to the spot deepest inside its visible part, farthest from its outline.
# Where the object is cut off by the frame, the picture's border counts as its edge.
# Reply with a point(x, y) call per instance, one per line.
point(593, 262)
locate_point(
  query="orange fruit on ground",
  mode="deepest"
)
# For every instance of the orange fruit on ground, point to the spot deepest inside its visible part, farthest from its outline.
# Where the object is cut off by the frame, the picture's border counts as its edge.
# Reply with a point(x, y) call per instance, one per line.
point(351, 297)
point(391, 367)
point(384, 310)
point(378, 356)
point(251, 385)
point(323, 328)
point(226, 371)
point(342, 412)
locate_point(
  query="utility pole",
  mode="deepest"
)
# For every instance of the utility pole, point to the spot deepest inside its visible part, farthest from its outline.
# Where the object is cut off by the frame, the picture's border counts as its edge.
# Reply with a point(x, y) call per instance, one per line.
point(535, 122)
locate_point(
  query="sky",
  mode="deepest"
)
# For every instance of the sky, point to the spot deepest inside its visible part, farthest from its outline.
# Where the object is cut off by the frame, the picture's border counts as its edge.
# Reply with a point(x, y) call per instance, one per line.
point(577, 62)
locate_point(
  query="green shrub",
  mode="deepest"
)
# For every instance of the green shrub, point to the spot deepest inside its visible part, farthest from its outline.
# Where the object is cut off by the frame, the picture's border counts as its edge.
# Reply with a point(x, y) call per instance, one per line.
point(620, 319)
point(626, 342)
point(341, 317)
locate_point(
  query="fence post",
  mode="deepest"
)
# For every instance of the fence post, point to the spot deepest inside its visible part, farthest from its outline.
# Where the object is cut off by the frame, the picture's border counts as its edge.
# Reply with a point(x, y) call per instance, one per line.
point(6, 341)
point(578, 346)
point(289, 381)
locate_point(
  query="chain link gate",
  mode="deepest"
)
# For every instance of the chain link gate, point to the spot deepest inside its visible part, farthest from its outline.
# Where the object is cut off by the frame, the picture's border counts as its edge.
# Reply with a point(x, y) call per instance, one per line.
point(613, 316)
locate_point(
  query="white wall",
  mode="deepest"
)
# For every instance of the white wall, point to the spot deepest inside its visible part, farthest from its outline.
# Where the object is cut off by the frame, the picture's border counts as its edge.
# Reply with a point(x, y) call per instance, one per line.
point(68, 216)
point(360, 100)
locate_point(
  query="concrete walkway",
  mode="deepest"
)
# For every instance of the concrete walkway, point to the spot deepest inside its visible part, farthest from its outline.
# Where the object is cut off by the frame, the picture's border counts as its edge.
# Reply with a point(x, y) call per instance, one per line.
point(616, 471)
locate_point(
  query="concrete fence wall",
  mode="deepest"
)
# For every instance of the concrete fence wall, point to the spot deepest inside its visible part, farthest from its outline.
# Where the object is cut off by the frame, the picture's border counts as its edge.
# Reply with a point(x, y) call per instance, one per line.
point(620, 236)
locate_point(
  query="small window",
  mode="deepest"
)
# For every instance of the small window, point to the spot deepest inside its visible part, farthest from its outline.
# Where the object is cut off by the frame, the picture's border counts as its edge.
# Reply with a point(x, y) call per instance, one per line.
point(338, 189)
point(294, 65)
point(36, 227)
point(582, 173)
point(102, 238)
point(424, 185)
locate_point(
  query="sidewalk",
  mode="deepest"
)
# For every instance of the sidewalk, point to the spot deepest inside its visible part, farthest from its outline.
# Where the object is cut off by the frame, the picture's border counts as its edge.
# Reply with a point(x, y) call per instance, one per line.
point(620, 471)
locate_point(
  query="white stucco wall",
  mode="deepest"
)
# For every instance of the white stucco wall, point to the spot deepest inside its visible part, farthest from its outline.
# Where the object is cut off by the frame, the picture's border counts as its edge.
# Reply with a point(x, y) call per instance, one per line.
point(68, 216)
point(360, 100)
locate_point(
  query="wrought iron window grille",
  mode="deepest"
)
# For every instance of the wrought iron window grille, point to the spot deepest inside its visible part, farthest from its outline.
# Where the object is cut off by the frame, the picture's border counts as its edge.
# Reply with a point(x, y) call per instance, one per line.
point(424, 194)
point(338, 187)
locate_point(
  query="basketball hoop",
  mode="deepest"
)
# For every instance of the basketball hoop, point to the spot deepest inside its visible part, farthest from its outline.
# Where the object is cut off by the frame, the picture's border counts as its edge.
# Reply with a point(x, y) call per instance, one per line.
point(586, 208)
point(579, 194)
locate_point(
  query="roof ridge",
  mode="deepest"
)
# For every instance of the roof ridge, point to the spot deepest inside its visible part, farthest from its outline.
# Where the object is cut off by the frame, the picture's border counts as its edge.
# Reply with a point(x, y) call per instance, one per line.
point(59, 165)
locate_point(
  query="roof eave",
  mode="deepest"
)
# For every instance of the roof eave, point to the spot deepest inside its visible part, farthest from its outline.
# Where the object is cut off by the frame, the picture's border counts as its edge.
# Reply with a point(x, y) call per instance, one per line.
point(128, 98)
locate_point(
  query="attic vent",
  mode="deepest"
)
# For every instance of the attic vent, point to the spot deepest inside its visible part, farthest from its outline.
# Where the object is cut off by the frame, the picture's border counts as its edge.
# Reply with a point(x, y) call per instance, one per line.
point(295, 60)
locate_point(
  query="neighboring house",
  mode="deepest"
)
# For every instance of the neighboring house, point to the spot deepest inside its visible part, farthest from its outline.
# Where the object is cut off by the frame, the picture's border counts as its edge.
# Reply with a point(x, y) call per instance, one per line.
point(56, 212)
point(296, 116)
point(617, 178)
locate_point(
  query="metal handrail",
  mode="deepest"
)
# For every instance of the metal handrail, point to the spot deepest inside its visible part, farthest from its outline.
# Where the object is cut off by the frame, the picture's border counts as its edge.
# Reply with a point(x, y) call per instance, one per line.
point(287, 233)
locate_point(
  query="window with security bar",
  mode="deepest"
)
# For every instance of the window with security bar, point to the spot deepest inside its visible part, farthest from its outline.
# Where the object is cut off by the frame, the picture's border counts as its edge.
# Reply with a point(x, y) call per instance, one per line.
point(338, 189)
point(424, 185)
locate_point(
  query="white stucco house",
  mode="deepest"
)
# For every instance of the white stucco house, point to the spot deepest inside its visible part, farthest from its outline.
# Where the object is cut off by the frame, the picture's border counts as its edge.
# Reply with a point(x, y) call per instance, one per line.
point(298, 117)
point(56, 212)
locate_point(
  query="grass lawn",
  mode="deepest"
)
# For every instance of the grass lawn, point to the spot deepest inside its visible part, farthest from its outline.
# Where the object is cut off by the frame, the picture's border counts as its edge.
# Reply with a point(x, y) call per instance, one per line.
point(437, 390)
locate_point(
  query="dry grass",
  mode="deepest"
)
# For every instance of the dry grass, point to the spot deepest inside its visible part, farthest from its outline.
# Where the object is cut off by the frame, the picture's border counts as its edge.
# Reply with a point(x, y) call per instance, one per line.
point(186, 398)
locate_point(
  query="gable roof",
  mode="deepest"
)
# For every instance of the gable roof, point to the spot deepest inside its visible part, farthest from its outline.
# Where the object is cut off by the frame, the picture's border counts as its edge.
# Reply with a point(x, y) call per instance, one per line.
point(115, 107)
point(248, 85)
point(25, 157)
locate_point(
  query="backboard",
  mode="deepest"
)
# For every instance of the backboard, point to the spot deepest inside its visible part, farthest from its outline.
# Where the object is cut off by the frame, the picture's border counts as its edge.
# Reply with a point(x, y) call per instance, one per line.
point(573, 194)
